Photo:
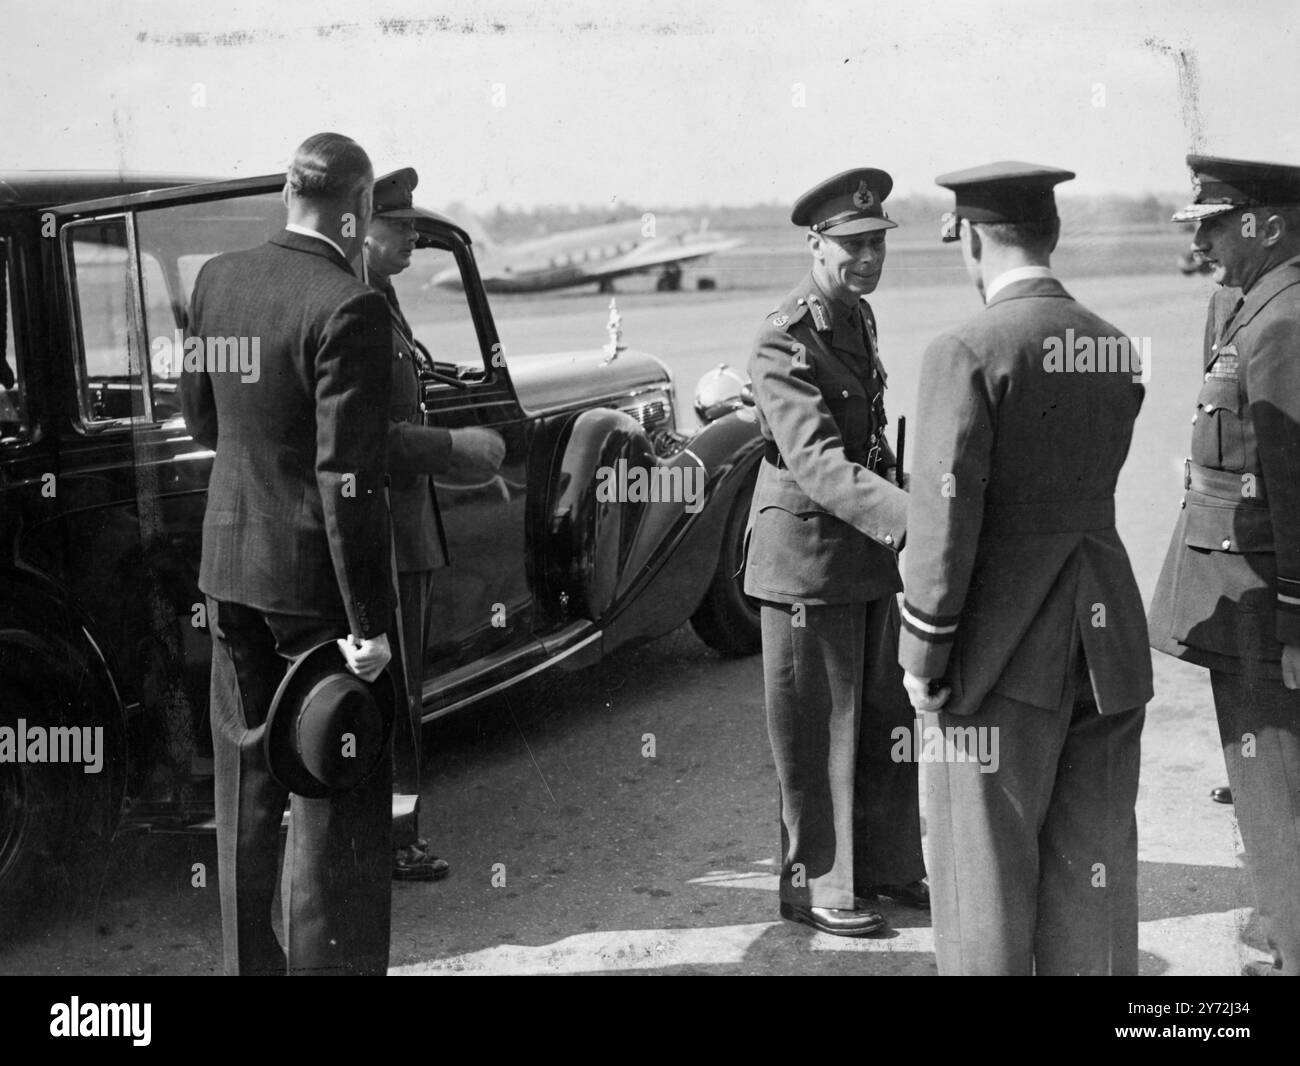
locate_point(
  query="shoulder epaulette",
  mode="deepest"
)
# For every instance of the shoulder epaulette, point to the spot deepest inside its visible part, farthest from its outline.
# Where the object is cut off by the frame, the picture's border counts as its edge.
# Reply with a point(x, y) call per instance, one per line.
point(787, 312)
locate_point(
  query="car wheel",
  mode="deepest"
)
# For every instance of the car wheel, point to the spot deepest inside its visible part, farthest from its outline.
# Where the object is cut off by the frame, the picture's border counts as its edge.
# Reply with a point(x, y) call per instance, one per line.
point(56, 820)
point(727, 620)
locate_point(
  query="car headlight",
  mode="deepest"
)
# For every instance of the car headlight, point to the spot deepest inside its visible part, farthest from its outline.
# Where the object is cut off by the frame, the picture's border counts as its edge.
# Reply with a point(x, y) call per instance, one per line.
point(721, 391)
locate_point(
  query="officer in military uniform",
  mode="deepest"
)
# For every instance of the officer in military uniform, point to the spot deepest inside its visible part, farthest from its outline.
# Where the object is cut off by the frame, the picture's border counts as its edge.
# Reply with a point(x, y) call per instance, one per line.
point(1228, 597)
point(1021, 616)
point(826, 525)
point(415, 451)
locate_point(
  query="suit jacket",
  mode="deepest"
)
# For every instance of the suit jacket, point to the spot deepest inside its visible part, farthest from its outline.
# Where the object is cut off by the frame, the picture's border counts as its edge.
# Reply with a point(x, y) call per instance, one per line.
point(825, 525)
point(1013, 557)
point(296, 521)
point(1229, 593)
point(414, 452)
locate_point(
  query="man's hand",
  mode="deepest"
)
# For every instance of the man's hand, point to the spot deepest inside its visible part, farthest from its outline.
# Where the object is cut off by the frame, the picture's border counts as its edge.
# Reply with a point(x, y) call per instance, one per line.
point(366, 658)
point(476, 451)
point(1291, 665)
point(890, 474)
point(918, 691)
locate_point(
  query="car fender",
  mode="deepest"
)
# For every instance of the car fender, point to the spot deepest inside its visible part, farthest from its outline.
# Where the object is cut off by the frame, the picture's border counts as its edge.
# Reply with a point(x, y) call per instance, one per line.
point(44, 638)
point(679, 551)
point(54, 676)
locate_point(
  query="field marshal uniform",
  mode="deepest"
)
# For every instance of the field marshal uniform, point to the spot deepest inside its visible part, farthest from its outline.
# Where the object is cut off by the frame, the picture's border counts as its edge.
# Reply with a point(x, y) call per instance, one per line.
point(1229, 593)
point(825, 528)
point(1020, 597)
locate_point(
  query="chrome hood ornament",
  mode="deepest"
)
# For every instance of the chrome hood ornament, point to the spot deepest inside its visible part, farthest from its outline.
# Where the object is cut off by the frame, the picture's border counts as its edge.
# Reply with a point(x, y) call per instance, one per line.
point(614, 327)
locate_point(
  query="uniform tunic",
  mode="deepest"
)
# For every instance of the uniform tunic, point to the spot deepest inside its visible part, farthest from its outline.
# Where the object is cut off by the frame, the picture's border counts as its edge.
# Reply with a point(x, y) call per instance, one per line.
point(825, 527)
point(1228, 597)
point(1021, 597)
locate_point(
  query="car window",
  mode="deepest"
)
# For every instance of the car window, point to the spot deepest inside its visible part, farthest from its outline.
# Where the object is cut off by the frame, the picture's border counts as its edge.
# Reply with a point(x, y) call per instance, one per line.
point(13, 418)
point(435, 305)
point(101, 291)
point(174, 243)
point(189, 266)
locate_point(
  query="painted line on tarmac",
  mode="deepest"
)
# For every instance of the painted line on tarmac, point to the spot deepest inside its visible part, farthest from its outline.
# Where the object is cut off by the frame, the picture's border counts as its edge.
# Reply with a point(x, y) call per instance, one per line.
point(630, 950)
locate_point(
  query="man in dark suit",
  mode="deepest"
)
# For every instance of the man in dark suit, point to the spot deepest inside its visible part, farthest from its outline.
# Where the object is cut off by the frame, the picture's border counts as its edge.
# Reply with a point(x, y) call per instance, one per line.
point(826, 524)
point(415, 452)
point(1228, 597)
point(1020, 597)
point(296, 551)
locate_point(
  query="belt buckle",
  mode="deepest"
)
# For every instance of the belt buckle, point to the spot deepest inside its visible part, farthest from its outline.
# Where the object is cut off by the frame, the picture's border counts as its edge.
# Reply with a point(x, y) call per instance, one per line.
point(1187, 472)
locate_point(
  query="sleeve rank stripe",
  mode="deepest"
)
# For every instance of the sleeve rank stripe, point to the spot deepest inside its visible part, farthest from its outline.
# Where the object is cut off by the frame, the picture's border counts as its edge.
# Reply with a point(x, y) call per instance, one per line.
point(940, 622)
point(924, 629)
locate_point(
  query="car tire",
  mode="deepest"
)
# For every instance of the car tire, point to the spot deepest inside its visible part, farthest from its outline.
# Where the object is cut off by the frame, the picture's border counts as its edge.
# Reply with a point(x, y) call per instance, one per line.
point(727, 620)
point(56, 820)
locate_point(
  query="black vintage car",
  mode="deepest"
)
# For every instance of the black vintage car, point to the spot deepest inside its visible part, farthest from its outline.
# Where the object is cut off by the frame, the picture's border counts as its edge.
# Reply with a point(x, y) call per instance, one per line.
point(102, 494)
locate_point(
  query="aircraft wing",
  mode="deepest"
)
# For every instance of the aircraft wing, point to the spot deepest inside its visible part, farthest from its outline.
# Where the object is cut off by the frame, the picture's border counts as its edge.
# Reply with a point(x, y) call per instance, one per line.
point(593, 255)
point(659, 253)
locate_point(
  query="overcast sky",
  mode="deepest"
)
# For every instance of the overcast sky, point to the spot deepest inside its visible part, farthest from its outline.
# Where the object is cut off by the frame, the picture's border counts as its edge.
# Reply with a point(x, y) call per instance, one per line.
point(661, 103)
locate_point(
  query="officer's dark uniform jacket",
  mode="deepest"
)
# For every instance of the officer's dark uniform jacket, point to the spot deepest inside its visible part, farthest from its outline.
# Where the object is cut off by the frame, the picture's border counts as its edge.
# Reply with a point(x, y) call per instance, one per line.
point(1013, 555)
point(413, 451)
point(1228, 597)
point(825, 525)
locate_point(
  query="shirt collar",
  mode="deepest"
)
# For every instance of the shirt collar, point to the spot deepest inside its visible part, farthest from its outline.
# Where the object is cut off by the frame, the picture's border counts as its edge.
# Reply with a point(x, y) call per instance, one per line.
point(293, 227)
point(1010, 277)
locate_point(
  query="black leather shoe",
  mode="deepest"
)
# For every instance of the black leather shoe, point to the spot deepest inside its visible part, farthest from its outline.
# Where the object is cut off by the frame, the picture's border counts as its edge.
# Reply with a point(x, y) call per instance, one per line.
point(416, 862)
point(916, 894)
point(1222, 794)
point(833, 921)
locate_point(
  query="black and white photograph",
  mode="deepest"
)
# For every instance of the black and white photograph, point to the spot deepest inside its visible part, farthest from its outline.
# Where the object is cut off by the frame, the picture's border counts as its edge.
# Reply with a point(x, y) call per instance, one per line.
point(651, 489)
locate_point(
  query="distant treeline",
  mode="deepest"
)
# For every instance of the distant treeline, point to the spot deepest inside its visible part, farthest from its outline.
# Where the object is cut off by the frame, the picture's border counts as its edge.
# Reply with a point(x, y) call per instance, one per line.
point(516, 224)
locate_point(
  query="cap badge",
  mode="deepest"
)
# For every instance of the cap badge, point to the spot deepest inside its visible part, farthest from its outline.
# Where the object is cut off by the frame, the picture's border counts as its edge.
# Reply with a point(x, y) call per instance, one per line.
point(1196, 185)
point(863, 198)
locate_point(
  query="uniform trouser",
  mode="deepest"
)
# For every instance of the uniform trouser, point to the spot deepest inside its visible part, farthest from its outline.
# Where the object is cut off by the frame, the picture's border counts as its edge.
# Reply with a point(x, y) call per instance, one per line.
point(335, 890)
point(1033, 866)
point(414, 592)
point(850, 816)
point(1259, 726)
